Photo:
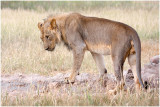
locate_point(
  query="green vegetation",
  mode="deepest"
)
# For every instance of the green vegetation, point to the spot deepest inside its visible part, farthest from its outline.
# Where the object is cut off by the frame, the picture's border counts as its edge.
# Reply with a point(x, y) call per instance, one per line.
point(78, 5)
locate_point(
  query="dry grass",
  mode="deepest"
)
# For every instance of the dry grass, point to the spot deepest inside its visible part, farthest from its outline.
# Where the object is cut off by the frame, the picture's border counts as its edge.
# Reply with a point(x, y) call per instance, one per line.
point(150, 98)
point(22, 51)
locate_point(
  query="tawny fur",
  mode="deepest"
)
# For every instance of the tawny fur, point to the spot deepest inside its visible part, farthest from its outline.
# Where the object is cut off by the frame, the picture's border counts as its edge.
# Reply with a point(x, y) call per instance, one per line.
point(99, 36)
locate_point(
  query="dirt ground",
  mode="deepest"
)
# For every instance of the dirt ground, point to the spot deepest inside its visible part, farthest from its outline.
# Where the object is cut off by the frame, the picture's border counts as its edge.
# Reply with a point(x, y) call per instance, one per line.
point(18, 84)
point(21, 84)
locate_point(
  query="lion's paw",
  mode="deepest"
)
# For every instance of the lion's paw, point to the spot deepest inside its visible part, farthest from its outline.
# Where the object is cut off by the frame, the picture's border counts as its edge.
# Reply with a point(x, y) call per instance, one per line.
point(68, 81)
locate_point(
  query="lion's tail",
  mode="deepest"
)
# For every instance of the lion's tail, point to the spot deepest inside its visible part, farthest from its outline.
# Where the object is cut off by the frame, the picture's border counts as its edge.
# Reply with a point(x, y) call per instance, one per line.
point(137, 46)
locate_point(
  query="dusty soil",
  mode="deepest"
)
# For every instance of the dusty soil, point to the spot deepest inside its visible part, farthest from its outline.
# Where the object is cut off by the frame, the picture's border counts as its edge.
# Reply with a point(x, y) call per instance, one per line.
point(21, 84)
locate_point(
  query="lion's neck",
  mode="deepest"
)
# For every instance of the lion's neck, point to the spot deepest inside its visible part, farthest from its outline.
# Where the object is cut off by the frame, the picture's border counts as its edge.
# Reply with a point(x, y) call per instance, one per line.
point(61, 24)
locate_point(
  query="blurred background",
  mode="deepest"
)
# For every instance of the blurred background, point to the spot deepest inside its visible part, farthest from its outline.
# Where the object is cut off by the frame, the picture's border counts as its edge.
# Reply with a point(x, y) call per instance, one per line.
point(22, 49)
point(79, 5)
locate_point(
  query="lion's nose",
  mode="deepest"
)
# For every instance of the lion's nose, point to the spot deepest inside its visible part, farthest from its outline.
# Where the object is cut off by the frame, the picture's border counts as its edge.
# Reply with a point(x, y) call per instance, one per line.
point(47, 48)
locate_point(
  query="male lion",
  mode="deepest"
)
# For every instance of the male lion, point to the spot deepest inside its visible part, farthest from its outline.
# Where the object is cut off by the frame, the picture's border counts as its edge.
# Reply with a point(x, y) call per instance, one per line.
point(99, 36)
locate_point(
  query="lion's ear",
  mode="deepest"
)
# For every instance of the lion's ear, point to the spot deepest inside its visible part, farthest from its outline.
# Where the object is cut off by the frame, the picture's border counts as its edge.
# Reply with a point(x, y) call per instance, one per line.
point(40, 25)
point(53, 24)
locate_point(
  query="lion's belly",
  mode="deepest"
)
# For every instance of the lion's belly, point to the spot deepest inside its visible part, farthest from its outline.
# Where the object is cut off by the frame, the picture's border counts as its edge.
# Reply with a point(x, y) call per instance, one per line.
point(100, 49)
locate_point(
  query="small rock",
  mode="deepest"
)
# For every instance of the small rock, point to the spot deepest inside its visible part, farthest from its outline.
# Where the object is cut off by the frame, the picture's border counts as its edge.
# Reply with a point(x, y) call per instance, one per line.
point(155, 59)
point(54, 85)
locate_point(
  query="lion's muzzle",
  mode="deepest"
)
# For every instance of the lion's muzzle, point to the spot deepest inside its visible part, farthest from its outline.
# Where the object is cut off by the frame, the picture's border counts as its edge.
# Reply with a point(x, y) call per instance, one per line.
point(49, 49)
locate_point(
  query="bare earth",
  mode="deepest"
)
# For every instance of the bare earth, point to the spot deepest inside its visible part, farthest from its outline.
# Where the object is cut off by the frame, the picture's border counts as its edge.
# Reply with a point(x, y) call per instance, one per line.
point(21, 84)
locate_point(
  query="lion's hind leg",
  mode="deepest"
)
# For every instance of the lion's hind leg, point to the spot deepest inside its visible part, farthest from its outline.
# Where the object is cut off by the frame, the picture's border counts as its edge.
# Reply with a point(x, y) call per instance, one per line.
point(119, 54)
point(118, 70)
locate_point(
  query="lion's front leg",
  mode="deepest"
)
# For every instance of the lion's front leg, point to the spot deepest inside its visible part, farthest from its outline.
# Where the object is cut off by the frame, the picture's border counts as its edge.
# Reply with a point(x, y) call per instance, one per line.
point(78, 56)
point(98, 58)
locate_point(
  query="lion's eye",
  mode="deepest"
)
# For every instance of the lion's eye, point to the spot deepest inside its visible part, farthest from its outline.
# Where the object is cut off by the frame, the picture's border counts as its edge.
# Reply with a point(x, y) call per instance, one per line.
point(47, 36)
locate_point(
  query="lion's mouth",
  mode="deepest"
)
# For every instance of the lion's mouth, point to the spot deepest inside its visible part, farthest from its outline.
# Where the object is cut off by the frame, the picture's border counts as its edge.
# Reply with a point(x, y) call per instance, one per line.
point(50, 49)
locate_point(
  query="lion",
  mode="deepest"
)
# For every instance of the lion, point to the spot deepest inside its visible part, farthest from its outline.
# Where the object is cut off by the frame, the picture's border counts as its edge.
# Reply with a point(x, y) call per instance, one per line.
point(99, 36)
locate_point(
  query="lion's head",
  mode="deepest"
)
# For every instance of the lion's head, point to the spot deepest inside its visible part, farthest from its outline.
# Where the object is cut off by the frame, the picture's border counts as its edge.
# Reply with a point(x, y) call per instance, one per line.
point(50, 34)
